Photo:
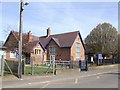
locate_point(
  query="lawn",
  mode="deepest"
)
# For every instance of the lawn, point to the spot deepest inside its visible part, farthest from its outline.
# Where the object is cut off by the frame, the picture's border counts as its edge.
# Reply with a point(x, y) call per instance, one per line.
point(41, 70)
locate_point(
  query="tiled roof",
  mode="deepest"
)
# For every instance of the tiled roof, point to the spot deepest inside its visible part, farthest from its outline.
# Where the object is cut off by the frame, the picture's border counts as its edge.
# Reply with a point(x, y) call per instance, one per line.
point(10, 44)
point(56, 40)
point(28, 47)
point(25, 37)
point(63, 40)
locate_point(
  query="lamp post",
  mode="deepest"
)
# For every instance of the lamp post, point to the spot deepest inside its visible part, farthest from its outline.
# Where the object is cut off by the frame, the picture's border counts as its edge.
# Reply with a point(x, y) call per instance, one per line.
point(20, 39)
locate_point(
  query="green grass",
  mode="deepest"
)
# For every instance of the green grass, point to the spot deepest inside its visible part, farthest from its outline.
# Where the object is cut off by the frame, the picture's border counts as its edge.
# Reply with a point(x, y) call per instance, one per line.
point(37, 70)
point(41, 70)
point(102, 66)
point(6, 73)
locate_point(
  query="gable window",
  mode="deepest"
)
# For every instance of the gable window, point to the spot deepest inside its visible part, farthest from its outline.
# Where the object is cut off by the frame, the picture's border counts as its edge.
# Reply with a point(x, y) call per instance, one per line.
point(52, 50)
point(37, 51)
point(12, 54)
point(78, 50)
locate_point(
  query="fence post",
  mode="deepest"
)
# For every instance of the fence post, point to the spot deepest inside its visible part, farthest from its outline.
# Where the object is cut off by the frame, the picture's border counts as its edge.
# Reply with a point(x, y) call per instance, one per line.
point(2, 65)
point(32, 65)
point(23, 66)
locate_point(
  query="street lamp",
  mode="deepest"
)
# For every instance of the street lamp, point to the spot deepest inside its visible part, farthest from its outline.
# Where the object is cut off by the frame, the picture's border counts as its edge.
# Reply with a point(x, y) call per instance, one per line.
point(20, 39)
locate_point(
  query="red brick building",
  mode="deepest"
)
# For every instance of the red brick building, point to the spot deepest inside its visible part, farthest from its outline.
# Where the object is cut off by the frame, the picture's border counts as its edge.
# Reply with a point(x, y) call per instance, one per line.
point(32, 48)
point(67, 46)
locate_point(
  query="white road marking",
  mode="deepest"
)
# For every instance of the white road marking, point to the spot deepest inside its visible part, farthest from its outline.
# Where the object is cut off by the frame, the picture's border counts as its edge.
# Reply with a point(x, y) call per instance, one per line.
point(29, 83)
point(96, 74)
point(98, 77)
point(44, 82)
point(45, 85)
point(76, 80)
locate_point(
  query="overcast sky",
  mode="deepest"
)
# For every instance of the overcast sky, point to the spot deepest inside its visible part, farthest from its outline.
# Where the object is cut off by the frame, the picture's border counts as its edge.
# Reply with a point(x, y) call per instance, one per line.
point(61, 17)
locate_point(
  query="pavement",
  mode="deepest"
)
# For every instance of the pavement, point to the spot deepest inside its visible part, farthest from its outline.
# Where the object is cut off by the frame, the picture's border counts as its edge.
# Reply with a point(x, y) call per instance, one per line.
point(66, 76)
point(59, 72)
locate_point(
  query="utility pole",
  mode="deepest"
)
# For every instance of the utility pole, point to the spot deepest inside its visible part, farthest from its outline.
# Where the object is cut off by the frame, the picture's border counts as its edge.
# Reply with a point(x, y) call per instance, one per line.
point(2, 66)
point(20, 41)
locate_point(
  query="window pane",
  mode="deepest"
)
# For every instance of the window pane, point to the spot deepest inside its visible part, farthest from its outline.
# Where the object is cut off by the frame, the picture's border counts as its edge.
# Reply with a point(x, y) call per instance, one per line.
point(52, 50)
point(78, 50)
point(39, 51)
point(12, 54)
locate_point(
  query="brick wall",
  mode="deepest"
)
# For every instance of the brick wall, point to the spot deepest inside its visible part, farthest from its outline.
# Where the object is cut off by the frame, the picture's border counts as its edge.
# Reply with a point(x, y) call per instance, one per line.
point(61, 53)
point(73, 50)
point(12, 43)
point(8, 56)
point(67, 53)
point(38, 57)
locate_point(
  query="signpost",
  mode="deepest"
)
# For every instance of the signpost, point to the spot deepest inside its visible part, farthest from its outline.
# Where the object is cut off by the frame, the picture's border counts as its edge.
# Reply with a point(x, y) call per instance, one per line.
point(99, 59)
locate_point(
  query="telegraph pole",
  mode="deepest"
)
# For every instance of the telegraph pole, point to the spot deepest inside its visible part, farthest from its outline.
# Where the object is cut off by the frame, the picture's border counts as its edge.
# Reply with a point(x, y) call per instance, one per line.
point(20, 41)
point(2, 66)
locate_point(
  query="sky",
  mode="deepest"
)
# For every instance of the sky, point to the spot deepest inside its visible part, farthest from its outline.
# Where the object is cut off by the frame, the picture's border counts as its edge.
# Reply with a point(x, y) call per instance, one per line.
point(61, 17)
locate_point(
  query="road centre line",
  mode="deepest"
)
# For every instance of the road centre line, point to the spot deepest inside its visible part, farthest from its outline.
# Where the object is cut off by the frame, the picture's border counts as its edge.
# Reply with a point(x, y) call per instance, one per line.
point(45, 85)
point(76, 80)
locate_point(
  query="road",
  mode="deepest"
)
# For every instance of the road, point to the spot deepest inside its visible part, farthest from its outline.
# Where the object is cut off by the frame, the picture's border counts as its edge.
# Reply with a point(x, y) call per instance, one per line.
point(101, 78)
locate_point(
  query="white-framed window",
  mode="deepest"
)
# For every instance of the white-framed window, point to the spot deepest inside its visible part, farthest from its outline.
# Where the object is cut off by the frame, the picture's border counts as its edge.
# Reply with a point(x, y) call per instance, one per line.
point(52, 50)
point(12, 54)
point(3, 52)
point(37, 51)
point(78, 53)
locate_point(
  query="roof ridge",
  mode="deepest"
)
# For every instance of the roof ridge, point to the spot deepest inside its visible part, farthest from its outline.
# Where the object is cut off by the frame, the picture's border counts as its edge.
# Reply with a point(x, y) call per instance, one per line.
point(65, 33)
point(44, 36)
point(61, 33)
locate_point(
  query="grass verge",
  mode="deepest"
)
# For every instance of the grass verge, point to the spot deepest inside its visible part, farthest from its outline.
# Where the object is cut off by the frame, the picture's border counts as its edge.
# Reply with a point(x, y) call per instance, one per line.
point(40, 70)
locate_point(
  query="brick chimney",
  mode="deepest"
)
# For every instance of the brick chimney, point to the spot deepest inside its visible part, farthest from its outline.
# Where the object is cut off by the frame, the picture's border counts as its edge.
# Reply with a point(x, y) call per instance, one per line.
point(48, 32)
point(29, 36)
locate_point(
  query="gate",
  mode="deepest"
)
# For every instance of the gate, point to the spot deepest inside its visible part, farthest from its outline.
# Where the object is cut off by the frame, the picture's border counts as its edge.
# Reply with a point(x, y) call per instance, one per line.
point(83, 65)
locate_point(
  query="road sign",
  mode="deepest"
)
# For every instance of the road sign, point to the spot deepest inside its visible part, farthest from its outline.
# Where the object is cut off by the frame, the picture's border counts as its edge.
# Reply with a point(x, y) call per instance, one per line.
point(99, 62)
point(100, 56)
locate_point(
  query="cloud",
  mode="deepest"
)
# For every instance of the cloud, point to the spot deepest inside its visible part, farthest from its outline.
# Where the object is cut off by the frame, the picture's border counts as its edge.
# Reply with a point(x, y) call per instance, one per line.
point(62, 17)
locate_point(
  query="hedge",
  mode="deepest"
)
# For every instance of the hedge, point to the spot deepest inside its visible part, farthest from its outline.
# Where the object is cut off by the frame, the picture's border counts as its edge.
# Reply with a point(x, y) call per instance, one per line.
point(13, 66)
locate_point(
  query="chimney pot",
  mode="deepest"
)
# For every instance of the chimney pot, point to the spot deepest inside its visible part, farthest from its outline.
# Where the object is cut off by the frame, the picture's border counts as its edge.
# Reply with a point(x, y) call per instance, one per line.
point(29, 36)
point(48, 32)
